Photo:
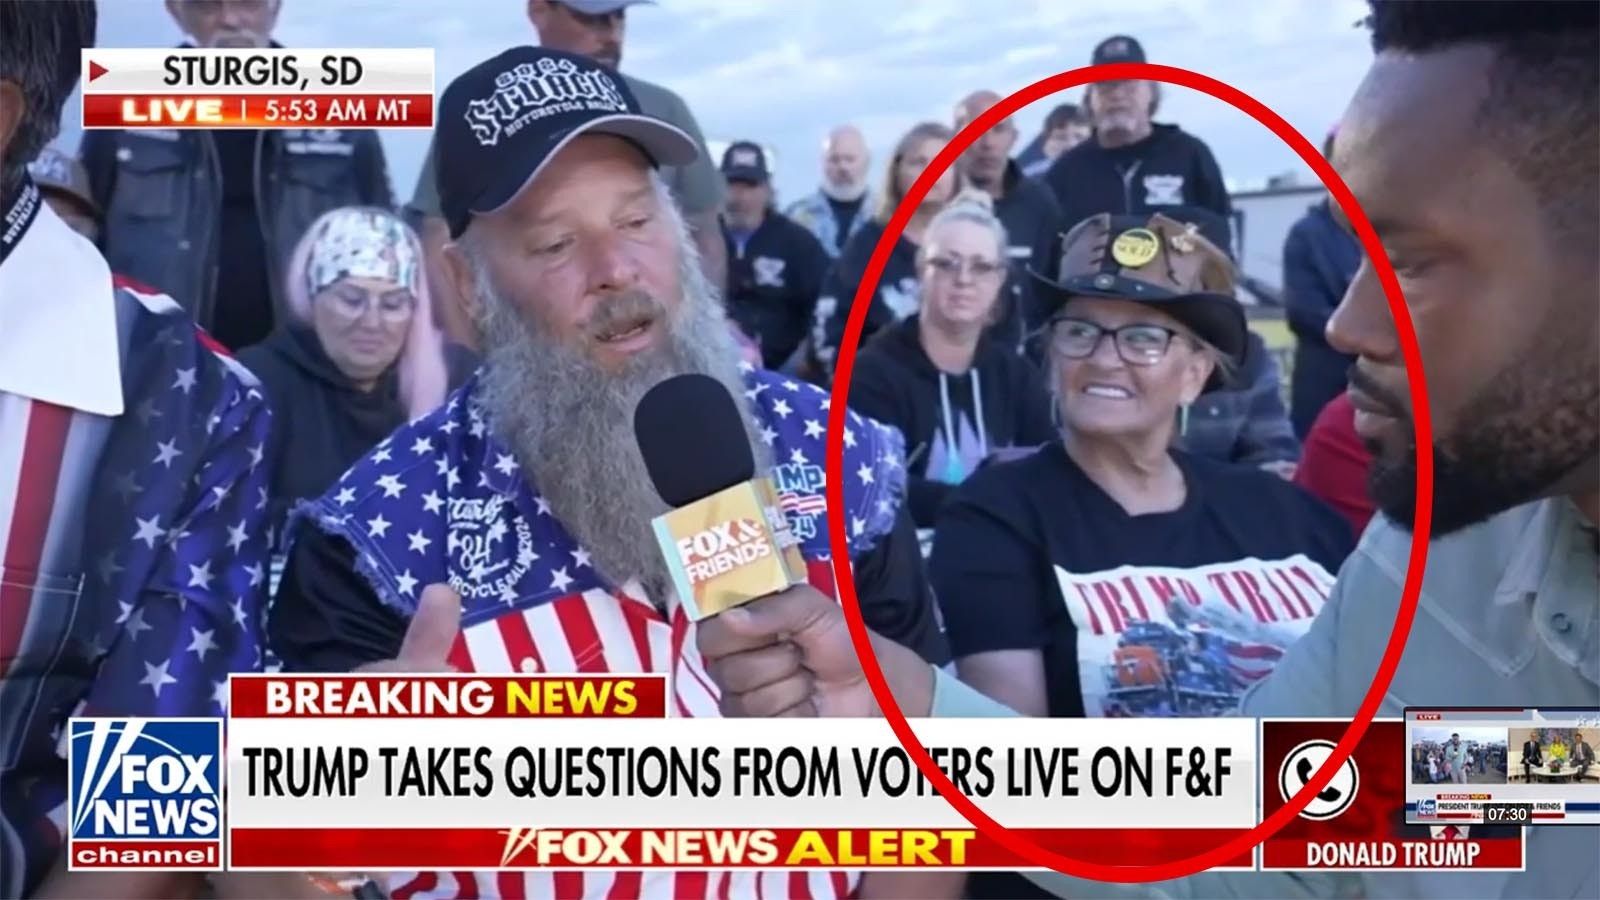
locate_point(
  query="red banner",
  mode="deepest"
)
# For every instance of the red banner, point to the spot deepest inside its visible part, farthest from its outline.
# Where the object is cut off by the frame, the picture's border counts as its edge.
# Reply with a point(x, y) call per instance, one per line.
point(448, 696)
point(213, 110)
point(412, 849)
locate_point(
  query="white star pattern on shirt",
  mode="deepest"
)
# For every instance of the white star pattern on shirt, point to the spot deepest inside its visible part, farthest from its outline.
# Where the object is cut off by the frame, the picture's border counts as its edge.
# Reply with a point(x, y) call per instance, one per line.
point(219, 694)
point(476, 429)
point(798, 457)
point(449, 427)
point(790, 385)
point(257, 454)
point(392, 486)
point(167, 451)
point(864, 473)
point(377, 526)
point(150, 531)
point(381, 456)
point(827, 402)
point(745, 367)
point(849, 438)
point(442, 464)
point(156, 677)
point(504, 464)
point(857, 526)
point(814, 428)
point(543, 505)
point(559, 579)
point(136, 624)
point(200, 576)
point(185, 380)
point(421, 446)
point(451, 479)
point(237, 605)
point(768, 436)
point(256, 574)
point(200, 642)
point(237, 535)
point(431, 502)
point(580, 558)
point(220, 492)
point(419, 541)
point(406, 583)
point(344, 497)
point(781, 407)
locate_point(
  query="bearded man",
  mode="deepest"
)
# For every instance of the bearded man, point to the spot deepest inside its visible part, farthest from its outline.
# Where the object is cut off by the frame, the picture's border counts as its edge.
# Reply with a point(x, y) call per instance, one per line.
point(523, 506)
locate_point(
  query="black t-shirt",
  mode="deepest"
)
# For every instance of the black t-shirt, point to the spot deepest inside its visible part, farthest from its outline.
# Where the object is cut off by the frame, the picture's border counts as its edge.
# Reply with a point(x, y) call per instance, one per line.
point(844, 212)
point(326, 618)
point(243, 305)
point(1153, 615)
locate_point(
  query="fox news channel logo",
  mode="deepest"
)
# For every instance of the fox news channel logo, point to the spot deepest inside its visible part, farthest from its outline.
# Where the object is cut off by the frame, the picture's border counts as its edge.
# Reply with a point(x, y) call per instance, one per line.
point(144, 794)
point(1427, 808)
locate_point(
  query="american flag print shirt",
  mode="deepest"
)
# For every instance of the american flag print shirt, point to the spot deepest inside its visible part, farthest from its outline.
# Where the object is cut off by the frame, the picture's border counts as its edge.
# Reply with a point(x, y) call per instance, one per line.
point(442, 500)
point(133, 556)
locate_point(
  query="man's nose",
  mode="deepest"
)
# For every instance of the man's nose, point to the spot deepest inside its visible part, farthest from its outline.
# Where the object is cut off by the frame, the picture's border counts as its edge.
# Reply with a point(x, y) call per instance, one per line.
point(1362, 325)
point(610, 263)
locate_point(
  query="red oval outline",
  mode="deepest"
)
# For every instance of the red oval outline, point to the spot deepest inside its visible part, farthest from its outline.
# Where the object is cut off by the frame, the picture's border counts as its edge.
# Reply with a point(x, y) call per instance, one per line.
point(834, 465)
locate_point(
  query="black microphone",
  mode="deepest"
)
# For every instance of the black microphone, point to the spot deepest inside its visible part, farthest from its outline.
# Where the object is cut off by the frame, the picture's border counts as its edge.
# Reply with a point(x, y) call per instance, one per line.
point(726, 541)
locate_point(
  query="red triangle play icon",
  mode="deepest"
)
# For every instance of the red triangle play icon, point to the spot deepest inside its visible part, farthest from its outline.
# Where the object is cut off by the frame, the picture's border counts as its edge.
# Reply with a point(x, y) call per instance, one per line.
point(96, 70)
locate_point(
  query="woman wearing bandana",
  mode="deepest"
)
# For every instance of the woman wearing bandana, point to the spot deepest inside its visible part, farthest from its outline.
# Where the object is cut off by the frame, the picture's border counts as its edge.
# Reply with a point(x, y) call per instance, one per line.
point(360, 357)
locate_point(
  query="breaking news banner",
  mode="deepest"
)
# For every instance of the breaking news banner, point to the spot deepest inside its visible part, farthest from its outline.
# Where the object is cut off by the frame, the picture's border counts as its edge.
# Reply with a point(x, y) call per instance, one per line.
point(1519, 766)
point(144, 794)
point(185, 87)
point(1358, 822)
point(468, 772)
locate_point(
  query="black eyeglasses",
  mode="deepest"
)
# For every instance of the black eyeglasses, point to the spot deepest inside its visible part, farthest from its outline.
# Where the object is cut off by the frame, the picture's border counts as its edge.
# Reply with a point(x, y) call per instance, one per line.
point(1138, 344)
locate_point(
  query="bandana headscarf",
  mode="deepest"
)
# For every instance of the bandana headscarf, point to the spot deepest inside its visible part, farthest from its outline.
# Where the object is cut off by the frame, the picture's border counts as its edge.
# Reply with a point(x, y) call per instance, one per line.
point(360, 243)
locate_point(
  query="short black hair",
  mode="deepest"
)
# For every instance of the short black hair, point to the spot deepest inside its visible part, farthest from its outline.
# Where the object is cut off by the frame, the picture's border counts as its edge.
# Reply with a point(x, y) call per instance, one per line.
point(40, 45)
point(1064, 115)
point(1543, 108)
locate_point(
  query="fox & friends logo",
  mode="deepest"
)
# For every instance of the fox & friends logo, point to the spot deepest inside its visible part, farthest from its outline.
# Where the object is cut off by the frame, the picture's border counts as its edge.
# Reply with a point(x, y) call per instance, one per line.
point(144, 794)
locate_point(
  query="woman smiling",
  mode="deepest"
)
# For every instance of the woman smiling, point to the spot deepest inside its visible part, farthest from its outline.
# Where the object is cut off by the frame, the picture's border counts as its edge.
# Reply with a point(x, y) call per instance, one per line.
point(1110, 573)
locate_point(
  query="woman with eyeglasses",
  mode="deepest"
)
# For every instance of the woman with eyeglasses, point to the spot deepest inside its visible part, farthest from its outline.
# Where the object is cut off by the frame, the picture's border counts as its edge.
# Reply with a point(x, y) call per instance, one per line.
point(1111, 573)
point(360, 356)
point(956, 393)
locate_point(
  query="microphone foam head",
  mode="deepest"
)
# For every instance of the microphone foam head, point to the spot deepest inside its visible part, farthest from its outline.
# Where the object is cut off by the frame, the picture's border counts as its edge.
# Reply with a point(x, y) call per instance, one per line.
point(692, 436)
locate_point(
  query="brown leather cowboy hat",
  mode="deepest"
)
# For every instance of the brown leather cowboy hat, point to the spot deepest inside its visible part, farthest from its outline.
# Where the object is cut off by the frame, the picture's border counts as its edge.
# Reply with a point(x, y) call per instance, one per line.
point(1170, 265)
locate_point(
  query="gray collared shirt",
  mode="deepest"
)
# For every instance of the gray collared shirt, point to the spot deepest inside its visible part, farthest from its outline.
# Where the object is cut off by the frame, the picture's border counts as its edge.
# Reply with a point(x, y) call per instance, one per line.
point(1509, 616)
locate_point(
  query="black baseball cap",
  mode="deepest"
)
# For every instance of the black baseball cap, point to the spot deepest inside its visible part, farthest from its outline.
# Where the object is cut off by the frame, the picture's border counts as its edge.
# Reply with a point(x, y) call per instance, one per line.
point(503, 119)
point(745, 161)
point(1119, 48)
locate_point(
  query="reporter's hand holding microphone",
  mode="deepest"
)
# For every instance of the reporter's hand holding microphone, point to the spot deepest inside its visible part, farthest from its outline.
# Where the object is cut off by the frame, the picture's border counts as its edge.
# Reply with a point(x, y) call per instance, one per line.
point(773, 644)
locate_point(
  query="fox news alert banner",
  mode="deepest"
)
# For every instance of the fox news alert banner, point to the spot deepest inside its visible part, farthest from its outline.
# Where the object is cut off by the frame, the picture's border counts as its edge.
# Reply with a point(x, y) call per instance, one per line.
point(523, 772)
point(257, 88)
point(1558, 791)
point(1358, 823)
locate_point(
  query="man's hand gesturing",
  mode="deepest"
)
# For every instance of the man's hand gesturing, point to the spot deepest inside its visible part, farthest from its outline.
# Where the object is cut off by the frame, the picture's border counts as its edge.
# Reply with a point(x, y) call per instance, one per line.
point(432, 632)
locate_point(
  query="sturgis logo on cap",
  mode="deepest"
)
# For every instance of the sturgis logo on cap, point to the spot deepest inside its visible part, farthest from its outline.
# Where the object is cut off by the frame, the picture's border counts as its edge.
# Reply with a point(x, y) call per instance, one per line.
point(1135, 247)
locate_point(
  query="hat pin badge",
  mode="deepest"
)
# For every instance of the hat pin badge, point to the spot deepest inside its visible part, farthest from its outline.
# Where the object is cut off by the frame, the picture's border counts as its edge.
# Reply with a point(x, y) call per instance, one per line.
point(1135, 247)
point(1184, 243)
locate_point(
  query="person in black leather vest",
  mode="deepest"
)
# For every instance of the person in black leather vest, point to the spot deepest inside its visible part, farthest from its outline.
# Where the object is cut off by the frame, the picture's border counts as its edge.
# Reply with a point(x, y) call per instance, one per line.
point(210, 217)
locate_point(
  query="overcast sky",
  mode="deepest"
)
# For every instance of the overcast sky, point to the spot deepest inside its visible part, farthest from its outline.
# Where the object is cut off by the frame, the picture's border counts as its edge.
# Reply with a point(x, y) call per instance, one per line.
point(784, 71)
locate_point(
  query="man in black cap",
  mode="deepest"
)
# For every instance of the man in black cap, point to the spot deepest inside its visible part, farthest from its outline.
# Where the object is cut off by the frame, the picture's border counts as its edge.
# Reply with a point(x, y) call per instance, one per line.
point(594, 28)
point(1133, 165)
point(775, 266)
point(510, 530)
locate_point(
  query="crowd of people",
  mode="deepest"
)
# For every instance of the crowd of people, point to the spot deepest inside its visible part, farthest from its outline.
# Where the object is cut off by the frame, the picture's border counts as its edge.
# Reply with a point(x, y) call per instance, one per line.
point(321, 429)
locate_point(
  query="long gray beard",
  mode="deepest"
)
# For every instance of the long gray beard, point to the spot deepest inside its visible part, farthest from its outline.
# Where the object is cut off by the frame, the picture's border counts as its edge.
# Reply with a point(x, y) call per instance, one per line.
point(570, 422)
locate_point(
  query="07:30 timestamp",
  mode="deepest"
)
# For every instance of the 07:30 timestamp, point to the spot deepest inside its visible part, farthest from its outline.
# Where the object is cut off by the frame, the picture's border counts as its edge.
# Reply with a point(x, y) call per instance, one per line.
point(301, 109)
